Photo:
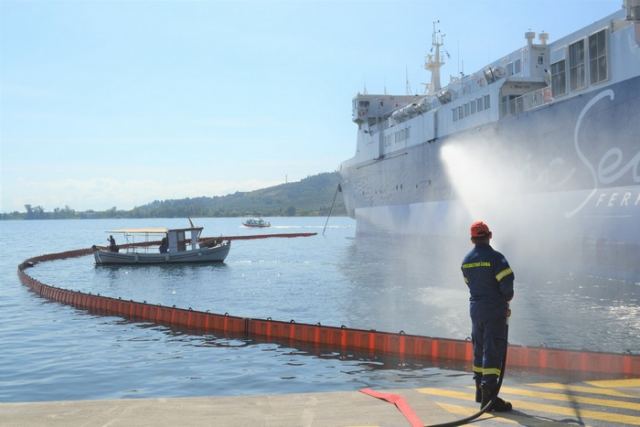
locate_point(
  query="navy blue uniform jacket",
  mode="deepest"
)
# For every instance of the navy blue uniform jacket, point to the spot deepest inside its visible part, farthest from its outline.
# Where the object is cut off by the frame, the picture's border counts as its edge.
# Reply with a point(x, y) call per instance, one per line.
point(490, 281)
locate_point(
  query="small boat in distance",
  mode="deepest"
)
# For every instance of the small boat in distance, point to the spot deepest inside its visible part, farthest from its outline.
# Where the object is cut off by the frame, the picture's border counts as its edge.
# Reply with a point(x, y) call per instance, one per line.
point(167, 246)
point(259, 222)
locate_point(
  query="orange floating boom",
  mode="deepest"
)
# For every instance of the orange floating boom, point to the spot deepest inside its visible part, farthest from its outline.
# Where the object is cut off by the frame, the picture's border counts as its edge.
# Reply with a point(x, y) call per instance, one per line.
point(340, 339)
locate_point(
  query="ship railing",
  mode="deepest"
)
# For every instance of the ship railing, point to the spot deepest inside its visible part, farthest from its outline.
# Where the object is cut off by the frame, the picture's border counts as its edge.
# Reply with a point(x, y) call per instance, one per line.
point(528, 101)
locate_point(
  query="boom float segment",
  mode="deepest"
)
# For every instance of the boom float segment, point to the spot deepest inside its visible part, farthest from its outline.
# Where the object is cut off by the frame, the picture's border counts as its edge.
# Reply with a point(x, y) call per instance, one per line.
point(401, 345)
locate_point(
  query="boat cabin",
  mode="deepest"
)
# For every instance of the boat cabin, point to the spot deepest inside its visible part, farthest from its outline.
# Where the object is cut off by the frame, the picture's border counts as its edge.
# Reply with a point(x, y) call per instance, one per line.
point(178, 239)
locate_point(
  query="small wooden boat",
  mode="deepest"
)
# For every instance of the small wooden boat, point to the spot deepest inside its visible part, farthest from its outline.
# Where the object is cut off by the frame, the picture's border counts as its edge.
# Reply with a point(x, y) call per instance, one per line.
point(174, 247)
point(256, 222)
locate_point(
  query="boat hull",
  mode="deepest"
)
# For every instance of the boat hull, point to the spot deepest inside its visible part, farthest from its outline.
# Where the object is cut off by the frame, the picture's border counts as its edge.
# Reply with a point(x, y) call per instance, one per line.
point(202, 255)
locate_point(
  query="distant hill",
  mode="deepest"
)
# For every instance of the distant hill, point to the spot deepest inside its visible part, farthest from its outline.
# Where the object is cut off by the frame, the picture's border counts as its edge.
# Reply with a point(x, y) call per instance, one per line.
point(310, 196)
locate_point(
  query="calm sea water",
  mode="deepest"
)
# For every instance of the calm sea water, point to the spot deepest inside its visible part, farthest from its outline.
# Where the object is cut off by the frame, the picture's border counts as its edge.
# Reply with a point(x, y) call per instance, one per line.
point(55, 352)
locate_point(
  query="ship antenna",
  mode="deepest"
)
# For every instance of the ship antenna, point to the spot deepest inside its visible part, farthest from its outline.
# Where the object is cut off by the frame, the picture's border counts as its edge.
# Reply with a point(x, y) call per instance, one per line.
point(434, 61)
point(406, 79)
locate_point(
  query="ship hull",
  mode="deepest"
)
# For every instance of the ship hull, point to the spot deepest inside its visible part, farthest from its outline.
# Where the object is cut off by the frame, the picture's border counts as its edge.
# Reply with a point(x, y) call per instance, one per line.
point(566, 174)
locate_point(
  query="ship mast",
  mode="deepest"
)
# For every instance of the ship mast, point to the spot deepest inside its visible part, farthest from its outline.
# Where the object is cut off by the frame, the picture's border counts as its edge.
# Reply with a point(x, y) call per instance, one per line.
point(433, 61)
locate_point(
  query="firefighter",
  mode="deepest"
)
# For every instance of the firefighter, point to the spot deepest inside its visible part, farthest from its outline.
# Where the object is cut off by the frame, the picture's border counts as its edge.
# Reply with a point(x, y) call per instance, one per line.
point(490, 281)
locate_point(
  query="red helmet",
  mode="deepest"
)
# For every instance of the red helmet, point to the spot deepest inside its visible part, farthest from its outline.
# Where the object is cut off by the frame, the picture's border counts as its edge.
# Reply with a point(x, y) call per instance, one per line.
point(480, 229)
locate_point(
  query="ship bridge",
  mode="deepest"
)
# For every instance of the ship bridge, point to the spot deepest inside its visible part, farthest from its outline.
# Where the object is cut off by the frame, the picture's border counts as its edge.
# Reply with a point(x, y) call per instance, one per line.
point(372, 109)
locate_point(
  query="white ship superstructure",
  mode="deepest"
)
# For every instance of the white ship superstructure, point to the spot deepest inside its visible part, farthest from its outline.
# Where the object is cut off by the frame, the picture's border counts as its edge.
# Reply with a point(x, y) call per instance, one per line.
point(558, 124)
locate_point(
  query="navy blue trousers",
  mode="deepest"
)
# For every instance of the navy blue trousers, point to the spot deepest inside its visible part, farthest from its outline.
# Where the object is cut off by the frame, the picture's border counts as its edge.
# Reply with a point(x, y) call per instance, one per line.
point(489, 337)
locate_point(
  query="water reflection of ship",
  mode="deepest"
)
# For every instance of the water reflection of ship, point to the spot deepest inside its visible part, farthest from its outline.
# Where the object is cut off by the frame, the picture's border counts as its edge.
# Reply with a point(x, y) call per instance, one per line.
point(542, 142)
point(415, 284)
point(404, 284)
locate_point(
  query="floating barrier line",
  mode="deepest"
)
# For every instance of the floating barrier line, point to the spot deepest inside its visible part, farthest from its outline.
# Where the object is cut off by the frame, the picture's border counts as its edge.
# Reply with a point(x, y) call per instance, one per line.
point(259, 236)
point(414, 347)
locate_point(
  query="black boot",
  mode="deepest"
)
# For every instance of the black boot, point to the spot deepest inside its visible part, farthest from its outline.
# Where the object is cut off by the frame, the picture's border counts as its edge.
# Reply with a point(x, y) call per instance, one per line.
point(499, 405)
point(487, 393)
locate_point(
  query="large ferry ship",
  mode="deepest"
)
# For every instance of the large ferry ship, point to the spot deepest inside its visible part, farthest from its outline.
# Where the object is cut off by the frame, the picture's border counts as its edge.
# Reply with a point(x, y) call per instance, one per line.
point(543, 144)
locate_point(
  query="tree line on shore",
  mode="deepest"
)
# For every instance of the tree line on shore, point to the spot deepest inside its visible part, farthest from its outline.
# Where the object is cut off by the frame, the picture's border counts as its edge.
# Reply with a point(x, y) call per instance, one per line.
point(309, 197)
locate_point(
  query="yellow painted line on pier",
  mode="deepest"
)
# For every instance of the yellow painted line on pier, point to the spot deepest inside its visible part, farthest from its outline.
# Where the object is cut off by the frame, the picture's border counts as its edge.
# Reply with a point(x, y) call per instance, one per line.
point(544, 408)
point(503, 417)
point(465, 411)
point(447, 393)
point(632, 382)
point(584, 413)
point(582, 389)
point(620, 404)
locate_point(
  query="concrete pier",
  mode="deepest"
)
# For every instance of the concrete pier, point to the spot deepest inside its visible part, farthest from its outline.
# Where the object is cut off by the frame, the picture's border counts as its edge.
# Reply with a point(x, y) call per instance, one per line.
point(596, 403)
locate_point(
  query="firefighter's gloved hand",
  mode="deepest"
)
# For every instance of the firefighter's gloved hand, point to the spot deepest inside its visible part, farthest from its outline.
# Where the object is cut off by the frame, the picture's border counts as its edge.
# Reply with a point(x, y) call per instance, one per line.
point(508, 313)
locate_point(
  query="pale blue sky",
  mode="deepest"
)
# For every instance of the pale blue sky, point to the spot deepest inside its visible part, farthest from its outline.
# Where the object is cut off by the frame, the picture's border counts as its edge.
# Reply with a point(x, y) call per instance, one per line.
point(118, 103)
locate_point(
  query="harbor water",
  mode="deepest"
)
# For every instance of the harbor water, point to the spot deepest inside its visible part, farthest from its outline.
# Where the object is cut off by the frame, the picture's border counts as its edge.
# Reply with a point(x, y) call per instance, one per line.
point(56, 352)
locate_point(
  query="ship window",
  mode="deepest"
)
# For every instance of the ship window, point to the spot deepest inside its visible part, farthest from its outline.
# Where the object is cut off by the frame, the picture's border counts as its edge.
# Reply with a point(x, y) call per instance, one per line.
point(598, 57)
point(460, 113)
point(466, 109)
point(558, 79)
point(399, 136)
point(504, 102)
point(455, 114)
point(479, 102)
point(364, 103)
point(540, 59)
point(576, 65)
point(473, 107)
point(517, 66)
point(487, 103)
point(519, 104)
point(509, 68)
